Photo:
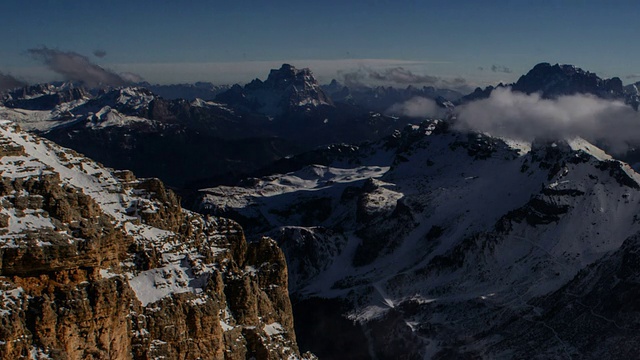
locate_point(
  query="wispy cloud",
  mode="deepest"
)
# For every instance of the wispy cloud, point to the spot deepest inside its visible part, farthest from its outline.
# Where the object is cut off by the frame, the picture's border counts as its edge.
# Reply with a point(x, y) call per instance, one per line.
point(401, 76)
point(131, 77)
point(353, 78)
point(417, 107)
point(75, 67)
point(501, 69)
point(8, 82)
point(99, 53)
point(243, 71)
point(527, 117)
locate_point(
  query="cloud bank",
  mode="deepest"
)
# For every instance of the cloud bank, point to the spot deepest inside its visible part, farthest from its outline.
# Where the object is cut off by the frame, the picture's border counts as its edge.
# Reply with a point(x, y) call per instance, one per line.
point(8, 82)
point(528, 117)
point(401, 76)
point(416, 107)
point(77, 68)
point(131, 77)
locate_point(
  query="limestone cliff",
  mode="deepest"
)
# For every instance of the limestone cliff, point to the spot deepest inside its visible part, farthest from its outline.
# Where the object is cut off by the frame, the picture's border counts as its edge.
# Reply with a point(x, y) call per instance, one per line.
point(96, 264)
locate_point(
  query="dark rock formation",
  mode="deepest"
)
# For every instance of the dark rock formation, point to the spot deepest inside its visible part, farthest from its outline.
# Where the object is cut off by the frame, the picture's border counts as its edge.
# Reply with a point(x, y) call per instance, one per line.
point(286, 90)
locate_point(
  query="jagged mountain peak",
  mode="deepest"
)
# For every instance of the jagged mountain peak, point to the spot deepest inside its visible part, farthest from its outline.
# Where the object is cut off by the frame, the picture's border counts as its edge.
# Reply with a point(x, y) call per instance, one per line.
point(298, 83)
point(288, 75)
point(555, 80)
point(286, 90)
point(552, 81)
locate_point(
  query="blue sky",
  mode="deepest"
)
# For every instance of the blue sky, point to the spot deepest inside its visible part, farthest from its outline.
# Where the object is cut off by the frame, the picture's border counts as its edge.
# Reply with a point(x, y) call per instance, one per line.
point(229, 41)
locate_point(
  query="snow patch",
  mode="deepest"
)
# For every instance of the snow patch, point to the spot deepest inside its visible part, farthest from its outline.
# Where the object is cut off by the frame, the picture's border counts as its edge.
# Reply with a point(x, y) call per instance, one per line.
point(273, 329)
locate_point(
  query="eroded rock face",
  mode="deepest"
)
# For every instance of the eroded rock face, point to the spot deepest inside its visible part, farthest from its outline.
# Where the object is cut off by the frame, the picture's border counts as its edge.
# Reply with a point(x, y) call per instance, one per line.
point(101, 265)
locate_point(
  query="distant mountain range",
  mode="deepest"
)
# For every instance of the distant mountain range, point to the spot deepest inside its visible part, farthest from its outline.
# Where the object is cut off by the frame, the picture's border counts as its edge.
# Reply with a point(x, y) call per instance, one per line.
point(442, 243)
point(411, 238)
point(194, 143)
point(382, 98)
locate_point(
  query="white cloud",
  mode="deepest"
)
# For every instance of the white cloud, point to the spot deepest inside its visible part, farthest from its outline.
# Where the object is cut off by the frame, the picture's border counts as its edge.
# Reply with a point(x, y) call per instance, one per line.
point(417, 107)
point(76, 67)
point(521, 116)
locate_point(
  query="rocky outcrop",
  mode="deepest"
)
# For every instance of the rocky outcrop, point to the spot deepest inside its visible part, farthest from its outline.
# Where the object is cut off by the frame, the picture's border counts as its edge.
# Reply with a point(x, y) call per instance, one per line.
point(97, 264)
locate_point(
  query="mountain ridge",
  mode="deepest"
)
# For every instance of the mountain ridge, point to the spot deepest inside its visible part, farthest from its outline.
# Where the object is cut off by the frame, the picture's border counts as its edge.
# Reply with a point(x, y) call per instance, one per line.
point(98, 263)
point(418, 225)
point(552, 81)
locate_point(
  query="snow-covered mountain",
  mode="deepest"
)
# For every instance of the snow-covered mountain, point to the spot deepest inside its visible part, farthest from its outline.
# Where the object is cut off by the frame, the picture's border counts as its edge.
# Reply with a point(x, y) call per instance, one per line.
point(96, 263)
point(191, 142)
point(429, 243)
point(446, 244)
point(46, 107)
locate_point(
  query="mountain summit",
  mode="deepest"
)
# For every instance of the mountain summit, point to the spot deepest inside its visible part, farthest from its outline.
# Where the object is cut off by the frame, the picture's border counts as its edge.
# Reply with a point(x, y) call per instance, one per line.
point(556, 80)
point(286, 90)
point(552, 81)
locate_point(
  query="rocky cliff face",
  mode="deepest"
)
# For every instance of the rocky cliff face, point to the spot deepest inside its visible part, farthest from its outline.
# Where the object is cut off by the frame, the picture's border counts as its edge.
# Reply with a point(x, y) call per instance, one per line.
point(96, 264)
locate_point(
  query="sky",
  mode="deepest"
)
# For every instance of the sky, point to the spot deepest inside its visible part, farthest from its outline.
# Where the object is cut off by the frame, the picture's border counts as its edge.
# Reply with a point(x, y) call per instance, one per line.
point(475, 43)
